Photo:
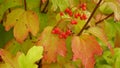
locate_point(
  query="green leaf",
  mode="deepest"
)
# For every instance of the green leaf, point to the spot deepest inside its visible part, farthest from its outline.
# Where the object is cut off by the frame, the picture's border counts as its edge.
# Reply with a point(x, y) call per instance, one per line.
point(34, 54)
point(117, 63)
point(108, 7)
point(32, 4)
point(8, 4)
point(110, 28)
point(62, 4)
point(103, 66)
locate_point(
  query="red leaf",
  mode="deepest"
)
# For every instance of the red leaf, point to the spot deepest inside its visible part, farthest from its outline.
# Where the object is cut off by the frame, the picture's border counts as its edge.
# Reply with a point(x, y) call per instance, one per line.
point(53, 46)
point(85, 48)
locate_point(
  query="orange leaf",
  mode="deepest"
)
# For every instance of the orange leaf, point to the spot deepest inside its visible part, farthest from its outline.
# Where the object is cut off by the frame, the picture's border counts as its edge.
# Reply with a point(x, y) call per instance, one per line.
point(85, 48)
point(53, 46)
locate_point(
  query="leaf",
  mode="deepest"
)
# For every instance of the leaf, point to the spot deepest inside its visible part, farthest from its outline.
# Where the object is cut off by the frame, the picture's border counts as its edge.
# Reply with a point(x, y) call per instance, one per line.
point(32, 22)
point(32, 4)
point(53, 46)
point(21, 33)
point(96, 31)
point(62, 4)
point(28, 61)
point(117, 63)
point(8, 4)
point(9, 60)
point(108, 7)
point(85, 48)
point(28, 20)
point(12, 18)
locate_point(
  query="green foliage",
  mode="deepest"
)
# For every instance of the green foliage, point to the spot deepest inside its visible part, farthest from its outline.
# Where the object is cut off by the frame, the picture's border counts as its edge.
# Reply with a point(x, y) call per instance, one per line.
point(33, 55)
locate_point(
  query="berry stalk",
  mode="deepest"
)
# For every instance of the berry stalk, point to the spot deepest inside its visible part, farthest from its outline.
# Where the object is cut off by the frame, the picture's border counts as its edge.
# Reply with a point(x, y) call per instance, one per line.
point(93, 12)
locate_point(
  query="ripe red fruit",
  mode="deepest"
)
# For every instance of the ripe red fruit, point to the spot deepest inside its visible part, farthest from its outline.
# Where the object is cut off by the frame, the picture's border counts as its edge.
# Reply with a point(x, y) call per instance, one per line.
point(73, 22)
point(63, 35)
point(61, 13)
point(83, 17)
point(70, 13)
point(67, 10)
point(76, 15)
point(68, 32)
point(84, 8)
point(56, 30)
point(83, 5)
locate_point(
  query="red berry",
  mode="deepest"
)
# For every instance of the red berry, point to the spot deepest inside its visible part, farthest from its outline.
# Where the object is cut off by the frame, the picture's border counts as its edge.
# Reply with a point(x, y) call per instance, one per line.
point(67, 10)
point(73, 22)
point(68, 32)
point(84, 8)
point(61, 13)
point(56, 30)
point(70, 13)
point(63, 35)
point(83, 17)
point(83, 5)
point(76, 15)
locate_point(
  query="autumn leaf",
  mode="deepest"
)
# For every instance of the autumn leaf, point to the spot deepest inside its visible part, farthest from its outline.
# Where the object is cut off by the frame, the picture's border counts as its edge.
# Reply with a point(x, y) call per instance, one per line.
point(10, 61)
point(53, 46)
point(23, 23)
point(96, 31)
point(85, 48)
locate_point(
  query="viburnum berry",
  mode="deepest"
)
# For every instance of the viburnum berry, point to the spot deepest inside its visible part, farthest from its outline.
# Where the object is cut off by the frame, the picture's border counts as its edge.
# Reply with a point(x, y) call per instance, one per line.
point(63, 35)
point(56, 30)
point(73, 22)
point(67, 10)
point(83, 17)
point(83, 6)
point(68, 32)
point(70, 13)
point(76, 15)
point(61, 13)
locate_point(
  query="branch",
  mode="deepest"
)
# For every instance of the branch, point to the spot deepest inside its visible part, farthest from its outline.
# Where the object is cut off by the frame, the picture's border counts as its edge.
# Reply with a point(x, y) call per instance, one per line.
point(104, 18)
point(62, 20)
point(25, 5)
point(101, 20)
point(43, 11)
point(89, 18)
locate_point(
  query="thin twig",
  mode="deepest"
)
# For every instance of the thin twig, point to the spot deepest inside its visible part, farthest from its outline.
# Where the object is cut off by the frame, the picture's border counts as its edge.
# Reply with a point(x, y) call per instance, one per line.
point(25, 5)
point(62, 20)
point(89, 18)
point(43, 11)
point(104, 18)
point(101, 20)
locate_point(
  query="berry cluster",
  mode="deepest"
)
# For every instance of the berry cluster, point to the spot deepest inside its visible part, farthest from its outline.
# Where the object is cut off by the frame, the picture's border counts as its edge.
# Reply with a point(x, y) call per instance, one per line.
point(60, 33)
point(74, 15)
